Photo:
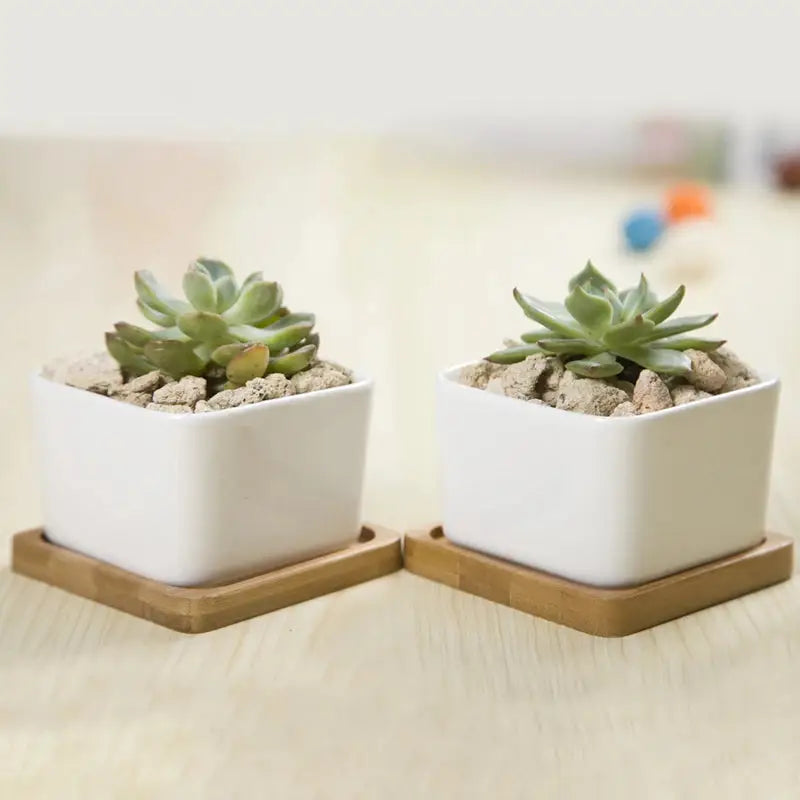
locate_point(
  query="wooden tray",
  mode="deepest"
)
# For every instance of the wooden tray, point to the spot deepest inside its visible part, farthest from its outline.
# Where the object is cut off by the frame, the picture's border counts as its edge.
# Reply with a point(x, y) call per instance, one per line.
point(199, 609)
point(602, 612)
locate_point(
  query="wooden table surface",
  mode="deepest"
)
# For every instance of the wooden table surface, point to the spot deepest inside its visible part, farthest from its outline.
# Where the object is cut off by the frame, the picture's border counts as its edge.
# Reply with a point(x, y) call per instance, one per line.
point(400, 688)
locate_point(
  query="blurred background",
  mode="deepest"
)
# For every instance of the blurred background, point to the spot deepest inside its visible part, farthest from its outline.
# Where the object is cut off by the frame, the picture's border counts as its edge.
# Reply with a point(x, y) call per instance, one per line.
point(399, 168)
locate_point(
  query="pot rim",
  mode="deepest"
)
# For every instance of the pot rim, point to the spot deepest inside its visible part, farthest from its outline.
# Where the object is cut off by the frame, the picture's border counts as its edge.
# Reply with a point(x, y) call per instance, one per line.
point(767, 382)
point(360, 382)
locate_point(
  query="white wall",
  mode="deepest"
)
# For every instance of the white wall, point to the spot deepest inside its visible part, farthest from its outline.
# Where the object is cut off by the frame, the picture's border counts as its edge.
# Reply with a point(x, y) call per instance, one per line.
point(210, 68)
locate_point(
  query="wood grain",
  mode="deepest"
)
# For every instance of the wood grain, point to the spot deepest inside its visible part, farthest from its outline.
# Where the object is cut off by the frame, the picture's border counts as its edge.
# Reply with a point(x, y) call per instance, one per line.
point(376, 553)
point(602, 612)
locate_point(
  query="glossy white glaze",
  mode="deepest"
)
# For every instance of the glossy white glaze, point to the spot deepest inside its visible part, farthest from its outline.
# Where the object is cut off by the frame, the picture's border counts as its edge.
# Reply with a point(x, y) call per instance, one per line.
point(603, 500)
point(188, 499)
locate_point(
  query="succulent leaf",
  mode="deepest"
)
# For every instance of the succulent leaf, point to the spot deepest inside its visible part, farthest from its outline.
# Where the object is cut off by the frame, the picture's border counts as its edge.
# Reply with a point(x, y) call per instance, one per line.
point(250, 363)
point(673, 327)
point(281, 312)
point(199, 288)
point(595, 313)
point(226, 293)
point(175, 358)
point(253, 277)
point(666, 308)
point(599, 323)
point(512, 355)
point(225, 352)
point(544, 315)
point(170, 333)
point(249, 333)
point(531, 337)
point(203, 351)
point(203, 326)
point(293, 362)
point(635, 301)
point(628, 331)
point(277, 336)
point(602, 365)
point(216, 269)
point(133, 334)
point(288, 330)
point(126, 356)
point(312, 339)
point(688, 343)
point(570, 347)
point(220, 324)
point(667, 362)
point(152, 294)
point(155, 316)
point(616, 303)
point(257, 301)
point(592, 280)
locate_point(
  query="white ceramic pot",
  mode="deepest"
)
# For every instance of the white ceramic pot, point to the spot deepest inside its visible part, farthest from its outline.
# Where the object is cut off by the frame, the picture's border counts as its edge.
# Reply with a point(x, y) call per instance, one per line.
point(608, 501)
point(191, 499)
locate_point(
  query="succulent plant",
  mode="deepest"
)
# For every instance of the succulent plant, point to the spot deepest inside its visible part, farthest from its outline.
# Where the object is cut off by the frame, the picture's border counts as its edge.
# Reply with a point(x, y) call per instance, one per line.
point(220, 331)
point(597, 325)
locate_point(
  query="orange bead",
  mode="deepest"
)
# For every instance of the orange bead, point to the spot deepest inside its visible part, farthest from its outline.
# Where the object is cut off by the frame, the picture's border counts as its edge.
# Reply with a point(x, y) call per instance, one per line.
point(688, 200)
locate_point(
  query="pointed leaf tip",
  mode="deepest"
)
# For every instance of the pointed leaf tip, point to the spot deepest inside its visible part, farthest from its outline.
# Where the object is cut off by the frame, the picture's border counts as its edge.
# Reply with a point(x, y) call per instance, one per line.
point(666, 308)
point(133, 334)
point(199, 289)
point(513, 355)
point(154, 296)
point(544, 314)
point(125, 355)
point(293, 362)
point(227, 293)
point(676, 325)
point(666, 362)
point(592, 311)
point(257, 301)
point(592, 279)
point(636, 299)
point(214, 267)
point(165, 320)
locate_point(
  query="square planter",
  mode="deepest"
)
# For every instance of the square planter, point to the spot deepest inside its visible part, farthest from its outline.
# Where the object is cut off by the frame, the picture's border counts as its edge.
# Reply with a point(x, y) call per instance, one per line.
point(605, 501)
point(202, 498)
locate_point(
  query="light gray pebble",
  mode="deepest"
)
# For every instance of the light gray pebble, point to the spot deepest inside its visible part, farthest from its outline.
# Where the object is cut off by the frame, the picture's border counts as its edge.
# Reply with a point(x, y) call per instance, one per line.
point(650, 393)
point(187, 391)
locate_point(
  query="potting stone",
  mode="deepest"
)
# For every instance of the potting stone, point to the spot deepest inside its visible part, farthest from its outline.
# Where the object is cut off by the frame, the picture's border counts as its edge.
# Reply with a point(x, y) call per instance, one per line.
point(650, 393)
point(686, 393)
point(146, 383)
point(480, 373)
point(97, 373)
point(141, 399)
point(320, 376)
point(738, 374)
point(187, 391)
point(589, 396)
point(521, 380)
point(705, 374)
point(626, 409)
point(272, 386)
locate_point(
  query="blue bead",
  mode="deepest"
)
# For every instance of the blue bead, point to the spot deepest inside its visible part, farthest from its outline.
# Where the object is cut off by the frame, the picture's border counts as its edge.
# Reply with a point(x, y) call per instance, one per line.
point(642, 228)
